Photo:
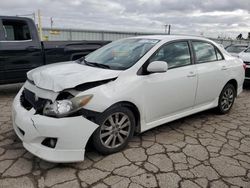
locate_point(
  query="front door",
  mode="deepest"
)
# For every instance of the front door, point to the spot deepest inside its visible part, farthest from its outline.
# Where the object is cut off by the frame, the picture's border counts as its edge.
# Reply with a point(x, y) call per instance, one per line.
point(169, 93)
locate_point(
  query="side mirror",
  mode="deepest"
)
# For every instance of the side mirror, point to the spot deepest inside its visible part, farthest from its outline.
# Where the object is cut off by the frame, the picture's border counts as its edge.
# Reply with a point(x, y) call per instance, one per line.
point(157, 67)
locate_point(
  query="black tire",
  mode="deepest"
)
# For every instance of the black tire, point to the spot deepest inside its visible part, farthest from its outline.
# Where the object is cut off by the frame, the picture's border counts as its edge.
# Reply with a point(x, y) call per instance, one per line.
point(225, 104)
point(99, 142)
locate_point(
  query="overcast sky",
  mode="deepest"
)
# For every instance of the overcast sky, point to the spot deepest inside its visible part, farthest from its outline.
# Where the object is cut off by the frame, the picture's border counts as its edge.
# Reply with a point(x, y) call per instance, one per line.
point(207, 17)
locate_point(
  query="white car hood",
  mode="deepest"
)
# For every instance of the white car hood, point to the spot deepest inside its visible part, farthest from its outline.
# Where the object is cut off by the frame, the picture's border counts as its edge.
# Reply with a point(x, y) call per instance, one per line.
point(60, 76)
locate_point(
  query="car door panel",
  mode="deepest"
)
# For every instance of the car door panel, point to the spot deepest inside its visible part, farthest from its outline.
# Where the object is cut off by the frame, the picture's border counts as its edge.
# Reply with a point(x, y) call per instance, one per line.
point(212, 72)
point(169, 93)
point(211, 79)
point(173, 91)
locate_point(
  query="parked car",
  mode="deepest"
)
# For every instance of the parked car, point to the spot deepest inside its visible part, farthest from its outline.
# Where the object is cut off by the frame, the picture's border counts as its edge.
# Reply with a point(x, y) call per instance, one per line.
point(245, 56)
point(236, 49)
point(21, 49)
point(130, 85)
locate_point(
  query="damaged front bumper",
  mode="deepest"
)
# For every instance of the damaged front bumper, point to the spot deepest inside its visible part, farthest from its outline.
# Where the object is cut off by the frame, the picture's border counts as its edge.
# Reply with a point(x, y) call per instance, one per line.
point(71, 133)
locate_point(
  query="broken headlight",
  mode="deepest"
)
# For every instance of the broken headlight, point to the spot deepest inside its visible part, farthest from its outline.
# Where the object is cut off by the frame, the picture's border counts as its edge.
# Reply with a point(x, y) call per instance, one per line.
point(62, 108)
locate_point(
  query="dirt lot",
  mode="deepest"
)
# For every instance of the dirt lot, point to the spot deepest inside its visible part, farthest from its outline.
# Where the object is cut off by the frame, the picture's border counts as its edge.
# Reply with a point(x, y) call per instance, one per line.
point(203, 150)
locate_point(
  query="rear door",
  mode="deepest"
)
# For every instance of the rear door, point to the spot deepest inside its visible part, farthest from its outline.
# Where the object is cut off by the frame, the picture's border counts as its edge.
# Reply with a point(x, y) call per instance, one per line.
point(20, 49)
point(212, 72)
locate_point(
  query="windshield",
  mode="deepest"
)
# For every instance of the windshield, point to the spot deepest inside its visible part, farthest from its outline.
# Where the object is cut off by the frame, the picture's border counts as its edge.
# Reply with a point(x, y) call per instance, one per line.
point(236, 49)
point(120, 55)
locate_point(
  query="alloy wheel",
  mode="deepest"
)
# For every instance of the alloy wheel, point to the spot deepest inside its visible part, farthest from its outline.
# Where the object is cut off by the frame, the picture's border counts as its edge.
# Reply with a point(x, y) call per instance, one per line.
point(115, 130)
point(227, 99)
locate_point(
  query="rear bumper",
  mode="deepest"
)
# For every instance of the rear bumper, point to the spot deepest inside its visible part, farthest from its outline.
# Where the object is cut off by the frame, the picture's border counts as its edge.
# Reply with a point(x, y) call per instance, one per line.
point(72, 133)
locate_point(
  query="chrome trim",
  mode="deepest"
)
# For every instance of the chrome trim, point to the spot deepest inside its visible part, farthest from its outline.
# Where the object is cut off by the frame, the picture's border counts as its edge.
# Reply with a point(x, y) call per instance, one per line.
point(30, 40)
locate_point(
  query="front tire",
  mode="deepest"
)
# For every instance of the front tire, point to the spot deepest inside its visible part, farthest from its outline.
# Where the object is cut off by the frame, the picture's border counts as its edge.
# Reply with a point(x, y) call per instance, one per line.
point(226, 99)
point(117, 126)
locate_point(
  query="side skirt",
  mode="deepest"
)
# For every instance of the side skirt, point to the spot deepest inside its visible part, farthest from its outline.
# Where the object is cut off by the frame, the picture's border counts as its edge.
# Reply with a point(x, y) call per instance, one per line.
point(179, 115)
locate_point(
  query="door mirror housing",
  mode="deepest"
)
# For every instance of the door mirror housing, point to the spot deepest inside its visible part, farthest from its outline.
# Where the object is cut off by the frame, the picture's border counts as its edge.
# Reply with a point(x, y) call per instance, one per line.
point(157, 67)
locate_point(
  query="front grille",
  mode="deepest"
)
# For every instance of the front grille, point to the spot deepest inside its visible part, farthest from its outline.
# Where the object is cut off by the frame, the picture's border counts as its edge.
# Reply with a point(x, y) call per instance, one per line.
point(29, 100)
point(247, 74)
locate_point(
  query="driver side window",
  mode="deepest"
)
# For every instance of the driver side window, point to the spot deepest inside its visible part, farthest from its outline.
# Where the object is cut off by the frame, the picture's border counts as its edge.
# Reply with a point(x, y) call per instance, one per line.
point(176, 54)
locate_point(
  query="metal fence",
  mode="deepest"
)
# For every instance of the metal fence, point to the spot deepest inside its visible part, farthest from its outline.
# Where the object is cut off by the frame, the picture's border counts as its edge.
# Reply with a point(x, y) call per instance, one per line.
point(74, 34)
point(70, 34)
point(227, 42)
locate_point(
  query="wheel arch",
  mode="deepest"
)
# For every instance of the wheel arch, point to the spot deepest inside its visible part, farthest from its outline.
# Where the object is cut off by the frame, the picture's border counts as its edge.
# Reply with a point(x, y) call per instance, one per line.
point(131, 106)
point(219, 108)
point(234, 83)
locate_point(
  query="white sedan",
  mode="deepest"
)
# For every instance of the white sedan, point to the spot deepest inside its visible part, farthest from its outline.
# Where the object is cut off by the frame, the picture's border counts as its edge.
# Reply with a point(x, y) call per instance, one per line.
point(130, 85)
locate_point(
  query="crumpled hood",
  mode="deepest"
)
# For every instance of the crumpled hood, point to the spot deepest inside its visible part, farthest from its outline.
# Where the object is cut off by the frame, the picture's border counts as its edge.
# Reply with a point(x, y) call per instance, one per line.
point(60, 76)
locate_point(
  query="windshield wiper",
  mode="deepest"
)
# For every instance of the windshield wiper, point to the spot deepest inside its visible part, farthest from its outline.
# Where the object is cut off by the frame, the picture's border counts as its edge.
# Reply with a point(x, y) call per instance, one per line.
point(100, 65)
point(93, 64)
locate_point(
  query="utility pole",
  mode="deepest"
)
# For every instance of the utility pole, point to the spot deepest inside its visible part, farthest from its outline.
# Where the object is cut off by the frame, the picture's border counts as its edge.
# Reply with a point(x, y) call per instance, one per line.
point(51, 22)
point(40, 25)
point(167, 28)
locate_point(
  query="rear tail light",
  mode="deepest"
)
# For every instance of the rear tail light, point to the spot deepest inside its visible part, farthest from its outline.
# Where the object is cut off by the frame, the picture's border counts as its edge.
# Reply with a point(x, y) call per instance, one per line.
point(244, 66)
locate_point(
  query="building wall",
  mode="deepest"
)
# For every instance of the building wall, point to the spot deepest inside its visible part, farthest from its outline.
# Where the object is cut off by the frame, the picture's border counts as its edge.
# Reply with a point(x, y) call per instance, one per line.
point(70, 34)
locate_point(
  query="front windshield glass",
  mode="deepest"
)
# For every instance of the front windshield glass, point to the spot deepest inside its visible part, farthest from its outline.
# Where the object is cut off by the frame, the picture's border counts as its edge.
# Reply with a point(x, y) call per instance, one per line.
point(235, 49)
point(120, 55)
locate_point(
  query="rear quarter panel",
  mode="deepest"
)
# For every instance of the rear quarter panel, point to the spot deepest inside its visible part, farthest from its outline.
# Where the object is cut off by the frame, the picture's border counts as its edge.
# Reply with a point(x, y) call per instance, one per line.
point(236, 71)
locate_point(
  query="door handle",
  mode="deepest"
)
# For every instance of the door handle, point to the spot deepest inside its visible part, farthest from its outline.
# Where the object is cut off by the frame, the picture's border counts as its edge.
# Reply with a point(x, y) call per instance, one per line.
point(191, 74)
point(224, 67)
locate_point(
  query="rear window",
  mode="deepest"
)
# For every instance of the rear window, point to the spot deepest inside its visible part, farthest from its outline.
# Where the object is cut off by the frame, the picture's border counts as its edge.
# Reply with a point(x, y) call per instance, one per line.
point(205, 52)
point(15, 30)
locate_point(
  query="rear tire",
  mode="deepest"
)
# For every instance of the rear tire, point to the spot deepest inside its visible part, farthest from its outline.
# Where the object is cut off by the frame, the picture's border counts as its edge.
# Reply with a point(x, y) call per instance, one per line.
point(226, 99)
point(117, 126)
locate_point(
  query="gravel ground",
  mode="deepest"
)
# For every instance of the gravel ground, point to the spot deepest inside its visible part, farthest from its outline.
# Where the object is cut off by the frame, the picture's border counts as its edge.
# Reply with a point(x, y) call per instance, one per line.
point(202, 150)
